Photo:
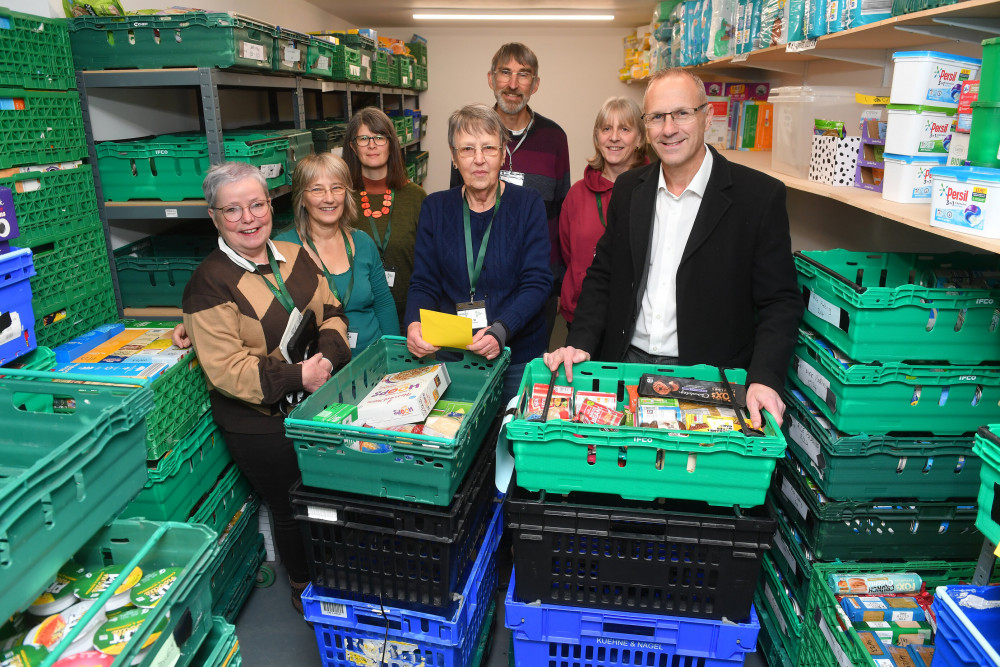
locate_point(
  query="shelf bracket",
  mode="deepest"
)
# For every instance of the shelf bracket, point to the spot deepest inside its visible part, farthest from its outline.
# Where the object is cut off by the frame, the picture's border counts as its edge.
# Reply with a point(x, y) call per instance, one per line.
point(970, 36)
point(991, 27)
point(213, 117)
point(868, 57)
point(786, 67)
point(984, 566)
point(299, 105)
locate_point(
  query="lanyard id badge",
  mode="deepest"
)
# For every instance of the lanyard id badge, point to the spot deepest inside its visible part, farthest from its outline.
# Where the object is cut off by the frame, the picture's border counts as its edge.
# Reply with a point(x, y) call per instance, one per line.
point(390, 276)
point(352, 339)
point(475, 311)
point(512, 177)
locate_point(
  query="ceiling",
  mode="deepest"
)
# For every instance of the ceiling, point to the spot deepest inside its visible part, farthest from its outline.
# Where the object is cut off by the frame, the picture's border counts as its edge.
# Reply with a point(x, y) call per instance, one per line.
point(399, 13)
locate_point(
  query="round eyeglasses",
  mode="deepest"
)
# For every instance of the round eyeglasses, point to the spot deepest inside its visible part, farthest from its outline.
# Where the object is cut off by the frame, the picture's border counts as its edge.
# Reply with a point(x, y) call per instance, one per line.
point(234, 212)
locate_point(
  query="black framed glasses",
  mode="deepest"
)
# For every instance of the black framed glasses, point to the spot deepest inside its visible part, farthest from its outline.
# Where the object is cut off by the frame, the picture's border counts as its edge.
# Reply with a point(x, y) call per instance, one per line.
point(234, 212)
point(364, 139)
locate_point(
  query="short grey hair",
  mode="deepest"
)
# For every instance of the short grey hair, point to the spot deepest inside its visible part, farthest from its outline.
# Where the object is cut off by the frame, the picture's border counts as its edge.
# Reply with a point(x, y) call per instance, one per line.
point(474, 118)
point(227, 173)
point(678, 72)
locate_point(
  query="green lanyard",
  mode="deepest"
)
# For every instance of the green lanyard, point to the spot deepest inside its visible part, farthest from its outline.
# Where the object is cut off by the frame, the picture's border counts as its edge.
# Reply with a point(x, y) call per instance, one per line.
point(280, 292)
point(600, 210)
point(474, 271)
point(381, 243)
point(329, 276)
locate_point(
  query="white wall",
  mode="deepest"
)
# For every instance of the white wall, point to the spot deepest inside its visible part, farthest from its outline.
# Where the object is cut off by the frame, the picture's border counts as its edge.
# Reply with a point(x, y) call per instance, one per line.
point(578, 69)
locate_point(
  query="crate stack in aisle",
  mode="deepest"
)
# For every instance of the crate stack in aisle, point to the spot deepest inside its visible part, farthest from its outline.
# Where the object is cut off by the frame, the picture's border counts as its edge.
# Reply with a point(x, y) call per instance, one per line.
point(52, 190)
point(888, 383)
point(400, 528)
point(627, 549)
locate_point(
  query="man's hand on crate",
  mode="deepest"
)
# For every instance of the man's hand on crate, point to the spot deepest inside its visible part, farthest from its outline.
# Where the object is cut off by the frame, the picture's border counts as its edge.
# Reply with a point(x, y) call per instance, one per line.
point(566, 357)
point(761, 397)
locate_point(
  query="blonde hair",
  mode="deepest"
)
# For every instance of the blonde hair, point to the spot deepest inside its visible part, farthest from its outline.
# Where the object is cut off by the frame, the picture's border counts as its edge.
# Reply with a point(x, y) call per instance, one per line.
point(627, 112)
point(311, 168)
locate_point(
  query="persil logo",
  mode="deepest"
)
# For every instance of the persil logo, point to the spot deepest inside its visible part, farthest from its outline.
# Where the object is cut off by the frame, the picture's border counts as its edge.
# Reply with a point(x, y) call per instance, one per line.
point(938, 128)
point(945, 75)
point(956, 196)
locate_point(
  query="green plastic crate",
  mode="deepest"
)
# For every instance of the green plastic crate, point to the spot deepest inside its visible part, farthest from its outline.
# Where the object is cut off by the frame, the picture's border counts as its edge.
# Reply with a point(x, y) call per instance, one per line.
point(872, 305)
point(399, 124)
point(347, 64)
point(300, 143)
point(71, 459)
point(221, 647)
point(237, 544)
point(850, 530)
point(193, 39)
point(657, 463)
point(406, 71)
point(69, 268)
point(52, 205)
point(291, 51)
point(71, 319)
point(379, 67)
point(415, 468)
point(832, 645)
point(368, 65)
point(863, 467)
point(790, 554)
point(184, 609)
point(485, 639)
point(242, 583)
point(987, 446)
point(154, 271)
point(880, 399)
point(395, 72)
point(39, 359)
point(768, 641)
point(411, 171)
point(320, 57)
point(419, 77)
point(40, 126)
point(223, 501)
point(419, 52)
point(171, 167)
point(900, 7)
point(35, 52)
point(353, 39)
point(781, 611)
point(183, 476)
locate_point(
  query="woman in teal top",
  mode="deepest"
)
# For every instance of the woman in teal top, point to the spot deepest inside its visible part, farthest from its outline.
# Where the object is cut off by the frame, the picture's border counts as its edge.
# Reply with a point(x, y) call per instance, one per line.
point(323, 205)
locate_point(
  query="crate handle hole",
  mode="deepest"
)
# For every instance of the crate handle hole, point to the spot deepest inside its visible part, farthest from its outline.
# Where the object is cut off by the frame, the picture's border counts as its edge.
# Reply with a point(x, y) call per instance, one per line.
point(177, 36)
point(931, 319)
point(111, 38)
point(901, 465)
point(995, 321)
point(131, 37)
point(945, 390)
point(49, 403)
point(915, 399)
point(156, 35)
point(960, 464)
point(977, 395)
point(660, 456)
point(692, 462)
point(927, 466)
point(960, 319)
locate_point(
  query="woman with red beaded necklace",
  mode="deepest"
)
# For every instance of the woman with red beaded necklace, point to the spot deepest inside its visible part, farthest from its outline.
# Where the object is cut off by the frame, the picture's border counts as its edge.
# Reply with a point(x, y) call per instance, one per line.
point(388, 202)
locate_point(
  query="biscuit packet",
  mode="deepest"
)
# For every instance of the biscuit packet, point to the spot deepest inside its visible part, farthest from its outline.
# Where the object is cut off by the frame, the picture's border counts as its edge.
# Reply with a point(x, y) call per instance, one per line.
point(591, 412)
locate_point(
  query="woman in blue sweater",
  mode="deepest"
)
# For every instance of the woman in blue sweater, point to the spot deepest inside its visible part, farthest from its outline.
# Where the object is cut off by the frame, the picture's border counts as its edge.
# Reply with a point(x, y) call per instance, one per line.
point(482, 251)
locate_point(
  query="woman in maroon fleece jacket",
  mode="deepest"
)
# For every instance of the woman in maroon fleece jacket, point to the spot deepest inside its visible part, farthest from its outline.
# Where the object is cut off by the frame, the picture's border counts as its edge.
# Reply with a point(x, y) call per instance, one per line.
point(620, 142)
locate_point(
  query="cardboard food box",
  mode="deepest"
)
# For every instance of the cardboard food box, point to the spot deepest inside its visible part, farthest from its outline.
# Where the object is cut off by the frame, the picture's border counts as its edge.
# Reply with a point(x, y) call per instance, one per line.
point(337, 413)
point(863, 608)
point(446, 418)
point(406, 397)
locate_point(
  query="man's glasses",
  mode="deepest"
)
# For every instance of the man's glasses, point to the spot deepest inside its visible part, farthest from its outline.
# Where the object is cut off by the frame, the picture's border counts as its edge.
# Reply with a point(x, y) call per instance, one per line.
point(364, 139)
point(504, 75)
point(680, 116)
point(469, 152)
point(234, 212)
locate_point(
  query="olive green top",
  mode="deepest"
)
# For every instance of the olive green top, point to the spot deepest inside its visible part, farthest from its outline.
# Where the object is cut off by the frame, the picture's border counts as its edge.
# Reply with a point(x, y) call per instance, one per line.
point(399, 253)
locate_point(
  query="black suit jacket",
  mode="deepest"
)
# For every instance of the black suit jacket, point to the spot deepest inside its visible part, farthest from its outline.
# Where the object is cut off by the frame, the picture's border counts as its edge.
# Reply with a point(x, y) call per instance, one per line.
point(738, 303)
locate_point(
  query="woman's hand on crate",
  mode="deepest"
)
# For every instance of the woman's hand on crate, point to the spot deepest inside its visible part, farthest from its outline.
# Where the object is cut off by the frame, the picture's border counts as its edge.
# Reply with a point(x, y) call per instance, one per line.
point(180, 338)
point(566, 357)
point(761, 397)
point(415, 342)
point(316, 370)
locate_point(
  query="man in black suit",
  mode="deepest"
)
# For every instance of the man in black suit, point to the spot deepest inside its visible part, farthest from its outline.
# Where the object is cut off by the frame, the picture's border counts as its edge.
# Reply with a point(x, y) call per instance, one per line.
point(695, 266)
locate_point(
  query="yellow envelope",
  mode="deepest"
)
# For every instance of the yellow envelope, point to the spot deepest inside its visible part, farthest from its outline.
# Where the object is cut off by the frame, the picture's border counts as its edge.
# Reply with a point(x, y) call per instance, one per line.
point(444, 330)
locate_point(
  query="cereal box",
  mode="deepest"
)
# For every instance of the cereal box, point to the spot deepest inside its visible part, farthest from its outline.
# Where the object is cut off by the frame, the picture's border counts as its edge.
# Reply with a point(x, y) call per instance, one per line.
point(406, 397)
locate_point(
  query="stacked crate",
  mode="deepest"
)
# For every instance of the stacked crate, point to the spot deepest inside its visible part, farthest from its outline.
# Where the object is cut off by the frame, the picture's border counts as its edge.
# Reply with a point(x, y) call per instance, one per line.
point(887, 386)
point(627, 549)
point(52, 190)
point(400, 529)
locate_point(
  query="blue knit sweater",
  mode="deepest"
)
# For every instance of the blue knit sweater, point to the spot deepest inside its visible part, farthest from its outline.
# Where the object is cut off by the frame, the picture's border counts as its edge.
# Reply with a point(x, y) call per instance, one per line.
point(515, 280)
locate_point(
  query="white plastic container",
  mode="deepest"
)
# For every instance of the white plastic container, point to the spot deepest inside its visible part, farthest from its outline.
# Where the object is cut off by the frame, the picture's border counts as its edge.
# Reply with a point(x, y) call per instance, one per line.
point(907, 178)
point(795, 110)
point(917, 130)
point(930, 77)
point(966, 199)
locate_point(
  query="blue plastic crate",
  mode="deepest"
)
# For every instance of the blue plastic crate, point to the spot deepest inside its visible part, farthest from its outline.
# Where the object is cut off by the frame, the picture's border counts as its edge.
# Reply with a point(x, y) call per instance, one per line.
point(17, 319)
point(578, 637)
point(966, 636)
point(350, 633)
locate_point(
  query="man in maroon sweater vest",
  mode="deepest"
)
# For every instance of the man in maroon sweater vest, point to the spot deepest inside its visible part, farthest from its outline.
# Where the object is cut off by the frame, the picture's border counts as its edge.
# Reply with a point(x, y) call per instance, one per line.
point(537, 154)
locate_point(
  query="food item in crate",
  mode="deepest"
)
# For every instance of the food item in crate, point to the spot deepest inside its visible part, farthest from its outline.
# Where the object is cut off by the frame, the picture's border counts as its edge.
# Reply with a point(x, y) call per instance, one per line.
point(690, 389)
point(881, 608)
point(94, 583)
point(92, 8)
point(659, 413)
point(446, 418)
point(59, 595)
point(901, 633)
point(921, 655)
point(337, 413)
point(711, 418)
point(154, 586)
point(406, 397)
point(86, 659)
point(601, 397)
point(892, 582)
point(598, 413)
point(51, 631)
point(86, 342)
point(114, 635)
point(560, 406)
point(23, 656)
point(876, 647)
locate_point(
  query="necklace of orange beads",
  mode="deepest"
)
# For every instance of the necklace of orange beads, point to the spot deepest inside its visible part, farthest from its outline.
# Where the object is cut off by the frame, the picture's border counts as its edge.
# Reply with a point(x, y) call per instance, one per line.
point(367, 207)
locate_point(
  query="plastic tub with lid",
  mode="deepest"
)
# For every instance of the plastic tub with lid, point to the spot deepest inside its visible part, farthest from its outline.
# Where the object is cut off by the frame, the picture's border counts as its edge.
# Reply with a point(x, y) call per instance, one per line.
point(966, 199)
point(989, 77)
point(930, 77)
point(919, 130)
point(907, 178)
point(984, 144)
point(795, 110)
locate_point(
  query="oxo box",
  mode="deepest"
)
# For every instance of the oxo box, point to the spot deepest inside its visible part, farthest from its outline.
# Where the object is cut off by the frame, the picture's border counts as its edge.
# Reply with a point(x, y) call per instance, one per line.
point(17, 319)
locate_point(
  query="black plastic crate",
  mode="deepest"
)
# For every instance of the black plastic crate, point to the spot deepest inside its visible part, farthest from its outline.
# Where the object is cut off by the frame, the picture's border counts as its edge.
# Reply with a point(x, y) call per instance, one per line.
point(674, 557)
point(397, 551)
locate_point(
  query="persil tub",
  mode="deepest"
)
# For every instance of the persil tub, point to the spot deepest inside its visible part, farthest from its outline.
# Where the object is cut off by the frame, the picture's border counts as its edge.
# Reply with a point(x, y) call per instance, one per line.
point(966, 199)
point(907, 178)
point(919, 130)
point(930, 77)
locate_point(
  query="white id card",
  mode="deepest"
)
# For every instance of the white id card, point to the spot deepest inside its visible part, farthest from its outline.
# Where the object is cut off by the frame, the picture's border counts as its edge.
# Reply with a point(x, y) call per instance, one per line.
point(475, 311)
point(512, 177)
point(390, 277)
point(352, 339)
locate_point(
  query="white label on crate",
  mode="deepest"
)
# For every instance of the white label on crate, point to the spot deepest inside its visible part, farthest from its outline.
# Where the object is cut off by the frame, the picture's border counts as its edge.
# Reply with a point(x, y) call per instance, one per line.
point(835, 648)
point(322, 63)
point(168, 655)
point(365, 61)
point(775, 611)
point(898, 616)
point(355, 70)
point(333, 609)
point(270, 170)
point(812, 378)
point(794, 498)
point(779, 542)
point(170, 212)
point(871, 114)
point(823, 309)
point(740, 57)
point(292, 54)
point(804, 439)
point(406, 80)
point(321, 514)
point(628, 643)
point(252, 51)
point(801, 45)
